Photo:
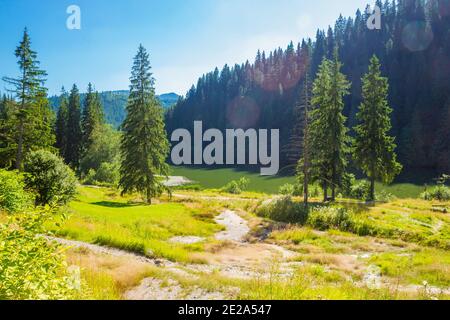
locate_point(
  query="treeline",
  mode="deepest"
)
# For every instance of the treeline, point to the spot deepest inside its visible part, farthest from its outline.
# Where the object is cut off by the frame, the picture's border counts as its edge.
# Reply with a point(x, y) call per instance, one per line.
point(115, 102)
point(413, 47)
point(84, 140)
point(133, 159)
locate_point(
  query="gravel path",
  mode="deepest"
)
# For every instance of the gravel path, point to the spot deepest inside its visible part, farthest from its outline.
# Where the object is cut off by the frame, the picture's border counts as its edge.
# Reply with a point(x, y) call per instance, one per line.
point(243, 261)
point(236, 227)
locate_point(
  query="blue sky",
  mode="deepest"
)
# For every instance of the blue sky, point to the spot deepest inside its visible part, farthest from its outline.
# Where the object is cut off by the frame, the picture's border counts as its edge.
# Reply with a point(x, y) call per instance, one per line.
point(185, 38)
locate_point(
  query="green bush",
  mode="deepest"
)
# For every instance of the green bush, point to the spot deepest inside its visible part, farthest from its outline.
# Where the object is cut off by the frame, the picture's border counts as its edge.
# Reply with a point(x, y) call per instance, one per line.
point(106, 175)
point(13, 198)
point(284, 210)
point(384, 196)
point(287, 190)
point(53, 182)
point(104, 148)
point(324, 218)
point(237, 187)
point(348, 182)
point(30, 267)
point(440, 193)
point(360, 190)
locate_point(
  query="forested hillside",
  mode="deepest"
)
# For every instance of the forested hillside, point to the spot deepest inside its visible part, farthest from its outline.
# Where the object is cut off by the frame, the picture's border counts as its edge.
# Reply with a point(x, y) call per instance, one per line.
point(413, 46)
point(114, 103)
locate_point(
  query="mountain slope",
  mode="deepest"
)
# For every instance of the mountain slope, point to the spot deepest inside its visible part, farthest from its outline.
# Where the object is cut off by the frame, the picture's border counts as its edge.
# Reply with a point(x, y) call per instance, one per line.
point(114, 103)
point(413, 46)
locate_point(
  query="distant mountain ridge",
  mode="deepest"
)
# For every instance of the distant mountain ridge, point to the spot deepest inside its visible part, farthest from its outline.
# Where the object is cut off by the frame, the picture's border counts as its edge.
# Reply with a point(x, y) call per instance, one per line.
point(114, 103)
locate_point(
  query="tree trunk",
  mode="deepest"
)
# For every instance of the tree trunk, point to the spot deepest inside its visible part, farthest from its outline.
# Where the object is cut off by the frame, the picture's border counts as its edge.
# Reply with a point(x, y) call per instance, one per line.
point(149, 196)
point(372, 189)
point(325, 192)
point(333, 185)
point(305, 191)
point(19, 155)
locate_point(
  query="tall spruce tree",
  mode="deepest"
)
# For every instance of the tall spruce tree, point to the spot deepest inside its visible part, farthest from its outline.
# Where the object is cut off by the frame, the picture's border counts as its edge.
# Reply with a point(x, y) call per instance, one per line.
point(374, 148)
point(74, 132)
point(33, 115)
point(144, 145)
point(337, 131)
point(304, 165)
point(329, 134)
point(93, 116)
point(319, 157)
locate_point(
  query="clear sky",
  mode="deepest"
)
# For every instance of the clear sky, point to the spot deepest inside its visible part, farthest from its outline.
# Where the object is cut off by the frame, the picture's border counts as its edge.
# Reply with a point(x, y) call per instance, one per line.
point(185, 38)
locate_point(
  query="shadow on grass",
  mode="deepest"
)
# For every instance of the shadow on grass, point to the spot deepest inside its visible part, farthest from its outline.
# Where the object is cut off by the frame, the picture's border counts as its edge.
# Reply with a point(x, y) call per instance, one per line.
point(111, 204)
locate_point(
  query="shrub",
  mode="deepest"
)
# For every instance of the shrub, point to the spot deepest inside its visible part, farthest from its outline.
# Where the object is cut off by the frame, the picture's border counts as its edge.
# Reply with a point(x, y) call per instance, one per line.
point(360, 190)
point(284, 210)
point(90, 178)
point(384, 196)
point(440, 193)
point(315, 191)
point(287, 190)
point(107, 174)
point(324, 218)
point(237, 187)
point(348, 181)
point(53, 182)
point(13, 198)
point(30, 267)
point(104, 148)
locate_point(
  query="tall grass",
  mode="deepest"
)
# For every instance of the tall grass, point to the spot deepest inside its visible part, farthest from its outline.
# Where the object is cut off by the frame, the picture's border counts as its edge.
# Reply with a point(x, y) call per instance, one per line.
point(101, 218)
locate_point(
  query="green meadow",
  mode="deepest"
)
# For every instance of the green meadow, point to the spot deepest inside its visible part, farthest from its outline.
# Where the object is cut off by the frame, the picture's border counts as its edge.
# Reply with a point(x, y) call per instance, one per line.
point(101, 216)
point(217, 178)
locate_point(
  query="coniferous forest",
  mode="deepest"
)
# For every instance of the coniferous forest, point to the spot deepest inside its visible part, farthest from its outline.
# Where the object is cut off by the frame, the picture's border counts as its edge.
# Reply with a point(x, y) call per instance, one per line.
point(413, 47)
point(97, 202)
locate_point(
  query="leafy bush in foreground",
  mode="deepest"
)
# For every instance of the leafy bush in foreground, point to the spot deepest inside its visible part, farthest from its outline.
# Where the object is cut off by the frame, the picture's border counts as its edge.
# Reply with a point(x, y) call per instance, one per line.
point(53, 182)
point(13, 198)
point(30, 267)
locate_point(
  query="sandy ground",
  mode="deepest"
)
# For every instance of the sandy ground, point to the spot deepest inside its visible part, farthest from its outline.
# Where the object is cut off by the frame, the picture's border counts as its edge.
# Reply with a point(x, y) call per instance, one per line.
point(174, 181)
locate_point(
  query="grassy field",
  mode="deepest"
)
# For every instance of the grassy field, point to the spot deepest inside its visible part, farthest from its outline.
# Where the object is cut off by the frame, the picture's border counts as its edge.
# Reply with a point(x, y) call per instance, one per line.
point(102, 217)
point(411, 255)
point(217, 178)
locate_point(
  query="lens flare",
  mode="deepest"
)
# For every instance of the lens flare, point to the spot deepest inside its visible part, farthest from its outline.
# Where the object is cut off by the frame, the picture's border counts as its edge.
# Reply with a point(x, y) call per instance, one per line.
point(417, 36)
point(243, 113)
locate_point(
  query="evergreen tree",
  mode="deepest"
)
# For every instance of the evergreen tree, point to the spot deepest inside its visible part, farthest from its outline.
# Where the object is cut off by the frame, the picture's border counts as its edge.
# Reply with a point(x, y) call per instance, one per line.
point(144, 145)
point(61, 124)
point(319, 157)
point(305, 165)
point(337, 130)
point(33, 115)
point(328, 130)
point(74, 132)
point(93, 116)
point(7, 143)
point(374, 148)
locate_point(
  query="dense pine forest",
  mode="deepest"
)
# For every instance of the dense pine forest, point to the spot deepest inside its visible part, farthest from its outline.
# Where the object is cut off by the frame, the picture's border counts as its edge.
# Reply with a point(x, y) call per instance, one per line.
point(413, 46)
